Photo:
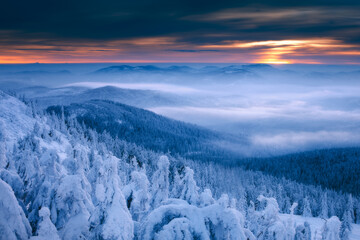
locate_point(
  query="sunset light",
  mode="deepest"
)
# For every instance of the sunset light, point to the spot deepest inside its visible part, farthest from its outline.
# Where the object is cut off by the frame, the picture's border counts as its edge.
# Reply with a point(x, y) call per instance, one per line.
point(306, 33)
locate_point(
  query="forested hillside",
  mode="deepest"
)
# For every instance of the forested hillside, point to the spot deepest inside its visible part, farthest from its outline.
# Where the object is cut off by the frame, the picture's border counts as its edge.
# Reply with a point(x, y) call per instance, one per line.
point(334, 169)
point(152, 131)
point(45, 97)
point(337, 169)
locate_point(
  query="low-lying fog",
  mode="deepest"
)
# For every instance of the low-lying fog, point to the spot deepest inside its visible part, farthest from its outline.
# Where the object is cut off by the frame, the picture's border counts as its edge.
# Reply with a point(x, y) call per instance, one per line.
point(279, 109)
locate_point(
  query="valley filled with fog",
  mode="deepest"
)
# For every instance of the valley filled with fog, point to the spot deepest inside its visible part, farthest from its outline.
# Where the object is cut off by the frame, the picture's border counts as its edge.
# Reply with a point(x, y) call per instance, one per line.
point(277, 109)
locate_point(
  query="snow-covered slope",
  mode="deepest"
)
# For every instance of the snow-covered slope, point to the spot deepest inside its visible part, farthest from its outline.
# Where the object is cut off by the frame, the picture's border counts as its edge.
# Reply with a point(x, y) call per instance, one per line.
point(63, 180)
point(15, 119)
point(62, 173)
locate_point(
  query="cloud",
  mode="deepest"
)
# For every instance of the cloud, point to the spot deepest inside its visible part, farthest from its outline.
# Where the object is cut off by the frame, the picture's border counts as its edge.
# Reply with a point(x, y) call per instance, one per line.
point(144, 31)
point(292, 16)
point(289, 51)
point(193, 50)
point(299, 141)
point(290, 111)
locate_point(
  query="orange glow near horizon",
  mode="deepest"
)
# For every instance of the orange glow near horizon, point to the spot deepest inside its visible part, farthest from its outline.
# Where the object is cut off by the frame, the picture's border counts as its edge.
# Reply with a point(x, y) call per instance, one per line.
point(170, 49)
point(285, 51)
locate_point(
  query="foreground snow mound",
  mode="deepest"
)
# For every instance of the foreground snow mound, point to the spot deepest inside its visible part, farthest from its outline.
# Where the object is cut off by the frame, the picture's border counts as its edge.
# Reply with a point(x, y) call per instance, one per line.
point(177, 219)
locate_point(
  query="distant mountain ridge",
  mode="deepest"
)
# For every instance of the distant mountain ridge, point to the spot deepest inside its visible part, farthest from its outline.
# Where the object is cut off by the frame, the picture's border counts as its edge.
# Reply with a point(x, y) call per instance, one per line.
point(146, 68)
point(232, 69)
point(135, 97)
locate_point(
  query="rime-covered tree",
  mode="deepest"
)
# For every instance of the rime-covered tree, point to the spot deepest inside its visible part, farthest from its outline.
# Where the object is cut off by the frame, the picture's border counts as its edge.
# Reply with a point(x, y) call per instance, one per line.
point(269, 225)
point(306, 208)
point(303, 232)
point(289, 223)
point(346, 227)
point(206, 198)
point(110, 218)
point(3, 159)
point(331, 229)
point(13, 222)
point(73, 206)
point(176, 219)
point(46, 229)
point(324, 207)
point(190, 190)
point(160, 182)
point(350, 208)
point(137, 195)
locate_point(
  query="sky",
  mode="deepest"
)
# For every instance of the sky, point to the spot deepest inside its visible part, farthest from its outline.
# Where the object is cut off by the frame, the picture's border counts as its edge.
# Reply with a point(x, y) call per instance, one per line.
point(227, 31)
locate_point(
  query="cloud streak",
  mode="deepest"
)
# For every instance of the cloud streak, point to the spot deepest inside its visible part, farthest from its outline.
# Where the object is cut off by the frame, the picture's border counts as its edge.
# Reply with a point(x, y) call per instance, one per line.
point(300, 141)
point(180, 31)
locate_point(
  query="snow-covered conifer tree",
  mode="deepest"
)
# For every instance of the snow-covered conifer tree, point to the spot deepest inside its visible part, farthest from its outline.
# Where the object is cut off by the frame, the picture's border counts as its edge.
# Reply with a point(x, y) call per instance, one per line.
point(137, 195)
point(13, 222)
point(224, 200)
point(307, 231)
point(289, 224)
point(270, 227)
point(176, 186)
point(206, 198)
point(110, 218)
point(160, 182)
point(73, 206)
point(306, 208)
point(346, 227)
point(350, 208)
point(324, 207)
point(189, 192)
point(176, 219)
point(3, 160)
point(46, 229)
point(303, 232)
point(331, 229)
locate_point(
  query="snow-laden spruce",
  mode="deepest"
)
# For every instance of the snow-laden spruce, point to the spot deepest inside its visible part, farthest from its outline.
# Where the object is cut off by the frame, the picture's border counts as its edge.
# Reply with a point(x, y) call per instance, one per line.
point(13, 222)
point(137, 195)
point(331, 229)
point(111, 218)
point(46, 229)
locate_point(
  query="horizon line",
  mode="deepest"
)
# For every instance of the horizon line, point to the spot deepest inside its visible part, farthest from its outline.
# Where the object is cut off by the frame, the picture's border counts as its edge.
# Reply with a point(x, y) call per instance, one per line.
point(156, 62)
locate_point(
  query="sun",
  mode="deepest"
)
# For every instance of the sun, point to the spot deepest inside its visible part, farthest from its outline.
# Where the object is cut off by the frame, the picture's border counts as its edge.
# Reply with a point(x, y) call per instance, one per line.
point(274, 61)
